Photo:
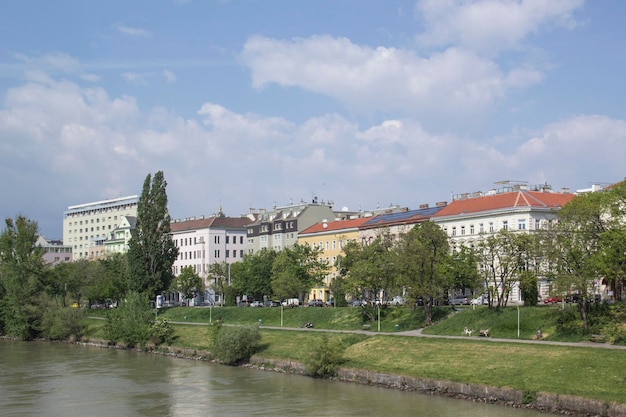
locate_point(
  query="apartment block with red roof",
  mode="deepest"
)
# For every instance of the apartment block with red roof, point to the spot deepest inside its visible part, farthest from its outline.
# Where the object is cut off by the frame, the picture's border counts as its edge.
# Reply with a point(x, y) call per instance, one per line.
point(469, 218)
point(205, 241)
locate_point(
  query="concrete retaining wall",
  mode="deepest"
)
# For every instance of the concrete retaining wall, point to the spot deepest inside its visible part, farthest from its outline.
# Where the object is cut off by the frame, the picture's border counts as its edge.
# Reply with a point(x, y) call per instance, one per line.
point(557, 404)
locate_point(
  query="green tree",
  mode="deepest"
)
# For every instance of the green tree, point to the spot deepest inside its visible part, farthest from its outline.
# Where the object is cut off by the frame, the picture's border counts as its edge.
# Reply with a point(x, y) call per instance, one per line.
point(296, 270)
point(151, 251)
point(500, 259)
point(21, 284)
point(529, 289)
point(464, 270)
point(423, 264)
point(188, 283)
point(253, 275)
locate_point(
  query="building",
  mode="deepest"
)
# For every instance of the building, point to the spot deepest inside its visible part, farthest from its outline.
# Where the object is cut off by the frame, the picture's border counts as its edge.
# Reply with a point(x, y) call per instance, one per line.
point(209, 240)
point(279, 228)
point(87, 226)
point(470, 218)
point(396, 223)
point(117, 241)
point(331, 238)
point(54, 251)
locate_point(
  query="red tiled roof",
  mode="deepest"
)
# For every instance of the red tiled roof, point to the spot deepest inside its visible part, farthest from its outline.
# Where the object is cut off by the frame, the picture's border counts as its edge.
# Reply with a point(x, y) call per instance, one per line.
point(335, 225)
point(515, 199)
point(180, 226)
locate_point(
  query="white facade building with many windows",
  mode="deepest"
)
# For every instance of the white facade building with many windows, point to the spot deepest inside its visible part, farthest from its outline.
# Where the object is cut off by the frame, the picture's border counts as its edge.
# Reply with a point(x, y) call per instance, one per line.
point(87, 226)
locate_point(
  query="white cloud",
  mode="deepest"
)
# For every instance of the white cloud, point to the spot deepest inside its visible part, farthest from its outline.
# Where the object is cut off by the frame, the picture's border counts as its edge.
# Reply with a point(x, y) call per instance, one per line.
point(136, 32)
point(134, 78)
point(490, 26)
point(384, 79)
point(170, 77)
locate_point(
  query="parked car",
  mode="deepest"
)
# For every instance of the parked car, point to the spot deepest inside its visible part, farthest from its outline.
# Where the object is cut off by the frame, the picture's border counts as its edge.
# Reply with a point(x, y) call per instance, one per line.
point(552, 300)
point(272, 303)
point(315, 303)
point(358, 303)
point(398, 300)
point(476, 301)
point(256, 303)
point(460, 301)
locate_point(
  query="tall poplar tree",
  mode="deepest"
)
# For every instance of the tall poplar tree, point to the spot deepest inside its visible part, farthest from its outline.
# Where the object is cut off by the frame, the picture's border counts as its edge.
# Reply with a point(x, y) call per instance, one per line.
point(151, 251)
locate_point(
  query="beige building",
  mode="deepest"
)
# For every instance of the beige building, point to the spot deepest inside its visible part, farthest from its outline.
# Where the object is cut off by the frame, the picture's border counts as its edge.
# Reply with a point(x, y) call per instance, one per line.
point(87, 226)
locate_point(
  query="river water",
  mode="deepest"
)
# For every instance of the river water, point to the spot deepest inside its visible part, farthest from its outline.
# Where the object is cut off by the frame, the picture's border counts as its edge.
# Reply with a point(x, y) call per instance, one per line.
point(43, 379)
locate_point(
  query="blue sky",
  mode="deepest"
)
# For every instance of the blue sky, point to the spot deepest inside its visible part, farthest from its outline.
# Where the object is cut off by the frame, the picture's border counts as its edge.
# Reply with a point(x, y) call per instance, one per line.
point(248, 104)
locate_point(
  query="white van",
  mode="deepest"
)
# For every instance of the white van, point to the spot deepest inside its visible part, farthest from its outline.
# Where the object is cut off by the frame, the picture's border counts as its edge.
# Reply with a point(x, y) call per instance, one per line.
point(291, 302)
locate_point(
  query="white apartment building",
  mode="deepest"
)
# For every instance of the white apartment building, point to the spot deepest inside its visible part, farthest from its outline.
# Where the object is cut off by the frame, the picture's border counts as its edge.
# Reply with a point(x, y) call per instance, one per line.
point(470, 218)
point(87, 226)
point(209, 240)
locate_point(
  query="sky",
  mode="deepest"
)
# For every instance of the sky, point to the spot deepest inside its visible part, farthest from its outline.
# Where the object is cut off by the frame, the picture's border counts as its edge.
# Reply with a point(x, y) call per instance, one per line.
point(254, 104)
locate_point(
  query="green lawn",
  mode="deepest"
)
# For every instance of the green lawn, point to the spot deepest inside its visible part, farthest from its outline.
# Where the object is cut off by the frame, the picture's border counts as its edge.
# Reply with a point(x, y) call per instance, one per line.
point(587, 372)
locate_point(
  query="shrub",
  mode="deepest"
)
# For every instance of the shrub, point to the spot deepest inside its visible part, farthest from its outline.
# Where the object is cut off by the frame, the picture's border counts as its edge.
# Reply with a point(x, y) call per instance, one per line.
point(325, 358)
point(131, 322)
point(234, 345)
point(62, 323)
point(161, 331)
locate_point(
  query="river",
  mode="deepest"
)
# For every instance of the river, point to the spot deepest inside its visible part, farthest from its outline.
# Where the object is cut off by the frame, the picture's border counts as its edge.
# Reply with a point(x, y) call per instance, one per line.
point(47, 379)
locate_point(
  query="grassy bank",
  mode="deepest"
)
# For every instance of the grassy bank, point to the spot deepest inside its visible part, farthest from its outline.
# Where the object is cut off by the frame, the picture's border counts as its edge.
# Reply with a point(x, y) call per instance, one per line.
point(581, 371)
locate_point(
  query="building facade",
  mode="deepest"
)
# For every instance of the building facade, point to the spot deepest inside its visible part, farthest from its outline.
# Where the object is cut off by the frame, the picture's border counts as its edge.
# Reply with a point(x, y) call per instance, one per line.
point(209, 240)
point(471, 218)
point(54, 251)
point(330, 237)
point(117, 240)
point(87, 226)
point(279, 228)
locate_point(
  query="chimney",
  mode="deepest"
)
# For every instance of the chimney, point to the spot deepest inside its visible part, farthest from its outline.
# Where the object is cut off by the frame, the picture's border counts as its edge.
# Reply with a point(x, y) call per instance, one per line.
point(441, 204)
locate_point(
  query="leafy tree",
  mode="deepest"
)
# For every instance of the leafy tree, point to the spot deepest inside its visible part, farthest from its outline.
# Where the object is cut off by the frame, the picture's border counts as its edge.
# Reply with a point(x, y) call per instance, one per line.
point(368, 269)
point(188, 283)
point(529, 289)
point(577, 247)
point(151, 251)
point(110, 284)
point(219, 274)
point(21, 284)
point(253, 275)
point(423, 260)
point(296, 270)
point(464, 270)
point(500, 258)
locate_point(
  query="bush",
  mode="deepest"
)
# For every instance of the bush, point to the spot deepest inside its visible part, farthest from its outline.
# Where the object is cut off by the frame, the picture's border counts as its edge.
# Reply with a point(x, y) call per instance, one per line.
point(63, 323)
point(161, 331)
point(131, 322)
point(234, 345)
point(325, 358)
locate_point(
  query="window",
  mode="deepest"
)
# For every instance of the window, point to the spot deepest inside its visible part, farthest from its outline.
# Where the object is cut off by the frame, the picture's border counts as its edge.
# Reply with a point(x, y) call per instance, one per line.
point(241, 240)
point(227, 241)
point(462, 230)
point(471, 229)
point(505, 225)
point(227, 253)
point(490, 227)
point(521, 224)
point(241, 253)
point(454, 231)
point(217, 253)
point(216, 239)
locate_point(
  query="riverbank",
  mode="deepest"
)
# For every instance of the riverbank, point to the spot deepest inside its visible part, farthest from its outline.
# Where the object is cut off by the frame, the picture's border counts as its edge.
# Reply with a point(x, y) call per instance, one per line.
point(558, 404)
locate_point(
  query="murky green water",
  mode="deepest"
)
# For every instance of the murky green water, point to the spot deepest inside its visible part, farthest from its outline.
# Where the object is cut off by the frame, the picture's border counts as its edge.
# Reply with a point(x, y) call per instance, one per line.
point(42, 379)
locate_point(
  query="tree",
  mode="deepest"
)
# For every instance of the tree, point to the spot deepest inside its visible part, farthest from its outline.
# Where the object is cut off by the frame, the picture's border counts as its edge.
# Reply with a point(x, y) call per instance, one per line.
point(219, 272)
point(423, 263)
point(151, 251)
point(21, 271)
point(188, 283)
point(296, 270)
point(500, 258)
point(464, 270)
point(253, 275)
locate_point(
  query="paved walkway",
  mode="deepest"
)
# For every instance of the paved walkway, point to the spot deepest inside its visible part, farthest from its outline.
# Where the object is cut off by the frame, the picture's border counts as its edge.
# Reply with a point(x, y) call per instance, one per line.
point(418, 333)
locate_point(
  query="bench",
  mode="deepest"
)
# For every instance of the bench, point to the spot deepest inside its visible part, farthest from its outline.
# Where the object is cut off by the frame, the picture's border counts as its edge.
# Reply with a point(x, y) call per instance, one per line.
point(367, 327)
point(597, 338)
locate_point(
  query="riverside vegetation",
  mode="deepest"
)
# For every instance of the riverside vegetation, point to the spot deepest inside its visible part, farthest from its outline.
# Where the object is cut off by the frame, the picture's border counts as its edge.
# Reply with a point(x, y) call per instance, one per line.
point(581, 371)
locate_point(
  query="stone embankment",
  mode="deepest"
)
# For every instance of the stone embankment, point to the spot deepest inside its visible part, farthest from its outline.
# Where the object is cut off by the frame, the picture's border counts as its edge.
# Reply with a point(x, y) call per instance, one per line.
point(547, 402)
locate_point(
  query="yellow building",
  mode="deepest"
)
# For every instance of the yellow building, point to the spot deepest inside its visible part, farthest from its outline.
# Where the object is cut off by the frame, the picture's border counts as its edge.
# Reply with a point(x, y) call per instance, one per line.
point(331, 238)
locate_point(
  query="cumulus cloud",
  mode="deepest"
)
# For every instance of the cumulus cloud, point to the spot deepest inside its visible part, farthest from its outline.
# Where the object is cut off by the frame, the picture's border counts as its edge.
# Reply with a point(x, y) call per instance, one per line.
point(382, 78)
point(490, 26)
